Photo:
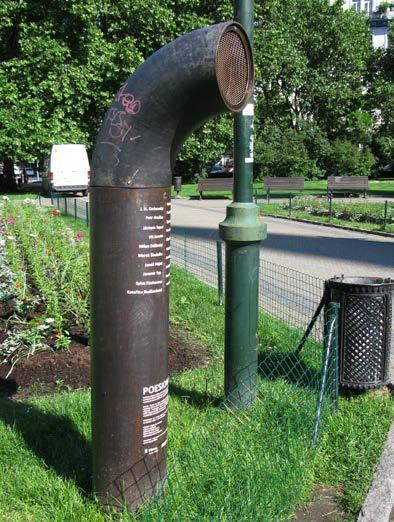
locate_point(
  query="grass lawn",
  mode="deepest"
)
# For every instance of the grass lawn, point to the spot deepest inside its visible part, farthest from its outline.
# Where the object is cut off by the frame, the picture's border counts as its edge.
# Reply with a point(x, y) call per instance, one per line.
point(216, 458)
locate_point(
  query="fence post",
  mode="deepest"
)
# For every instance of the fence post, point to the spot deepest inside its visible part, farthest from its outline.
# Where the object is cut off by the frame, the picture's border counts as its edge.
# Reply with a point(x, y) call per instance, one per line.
point(75, 208)
point(386, 208)
point(290, 199)
point(219, 258)
point(335, 362)
point(65, 206)
point(87, 213)
point(58, 203)
point(184, 251)
point(330, 359)
point(330, 205)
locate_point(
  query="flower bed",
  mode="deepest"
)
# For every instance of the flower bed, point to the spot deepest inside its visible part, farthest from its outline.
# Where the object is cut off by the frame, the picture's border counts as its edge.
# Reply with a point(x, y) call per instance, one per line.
point(44, 281)
point(357, 212)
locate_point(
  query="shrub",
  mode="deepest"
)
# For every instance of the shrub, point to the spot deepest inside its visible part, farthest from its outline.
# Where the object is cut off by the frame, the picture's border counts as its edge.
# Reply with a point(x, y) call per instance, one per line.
point(285, 155)
point(346, 159)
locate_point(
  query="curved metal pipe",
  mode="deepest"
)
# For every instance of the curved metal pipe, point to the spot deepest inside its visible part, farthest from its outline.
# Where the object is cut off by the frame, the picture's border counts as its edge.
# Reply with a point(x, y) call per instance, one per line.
point(171, 94)
point(191, 79)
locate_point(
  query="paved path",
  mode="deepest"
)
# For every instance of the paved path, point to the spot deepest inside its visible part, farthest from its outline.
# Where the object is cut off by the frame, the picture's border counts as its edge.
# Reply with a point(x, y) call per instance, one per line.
point(312, 249)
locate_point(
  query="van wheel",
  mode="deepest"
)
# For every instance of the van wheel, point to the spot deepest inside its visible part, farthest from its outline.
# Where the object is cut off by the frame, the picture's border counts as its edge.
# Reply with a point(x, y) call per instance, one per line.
point(84, 193)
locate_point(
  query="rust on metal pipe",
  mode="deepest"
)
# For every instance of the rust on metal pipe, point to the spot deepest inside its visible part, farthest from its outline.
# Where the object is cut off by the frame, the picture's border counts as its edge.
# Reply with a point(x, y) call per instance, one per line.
point(193, 78)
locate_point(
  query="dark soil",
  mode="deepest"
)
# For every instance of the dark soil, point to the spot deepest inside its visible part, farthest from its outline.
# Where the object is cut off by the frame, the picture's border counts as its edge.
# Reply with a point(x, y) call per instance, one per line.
point(5, 310)
point(324, 506)
point(51, 371)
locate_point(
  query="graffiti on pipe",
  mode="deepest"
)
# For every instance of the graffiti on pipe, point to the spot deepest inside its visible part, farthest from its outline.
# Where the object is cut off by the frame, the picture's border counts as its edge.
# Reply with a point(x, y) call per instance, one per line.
point(117, 126)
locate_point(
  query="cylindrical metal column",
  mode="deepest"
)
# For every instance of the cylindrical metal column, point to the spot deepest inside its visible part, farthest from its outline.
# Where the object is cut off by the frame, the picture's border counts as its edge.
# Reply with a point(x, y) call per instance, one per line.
point(242, 232)
point(193, 78)
point(130, 252)
point(241, 306)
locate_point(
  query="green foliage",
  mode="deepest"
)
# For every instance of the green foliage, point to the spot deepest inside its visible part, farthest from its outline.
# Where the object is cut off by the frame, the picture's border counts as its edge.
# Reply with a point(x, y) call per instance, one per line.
point(285, 155)
point(316, 74)
point(347, 159)
point(54, 255)
point(204, 147)
point(365, 216)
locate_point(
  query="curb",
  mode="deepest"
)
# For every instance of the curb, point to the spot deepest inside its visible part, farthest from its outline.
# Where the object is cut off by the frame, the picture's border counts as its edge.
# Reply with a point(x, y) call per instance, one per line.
point(380, 498)
point(352, 229)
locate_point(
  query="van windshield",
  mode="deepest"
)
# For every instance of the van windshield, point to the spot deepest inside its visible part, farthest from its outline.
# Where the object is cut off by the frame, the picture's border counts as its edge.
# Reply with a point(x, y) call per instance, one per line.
point(69, 159)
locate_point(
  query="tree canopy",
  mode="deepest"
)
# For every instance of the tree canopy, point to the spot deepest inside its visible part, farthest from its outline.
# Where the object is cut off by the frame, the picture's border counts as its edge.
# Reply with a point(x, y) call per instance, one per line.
point(321, 93)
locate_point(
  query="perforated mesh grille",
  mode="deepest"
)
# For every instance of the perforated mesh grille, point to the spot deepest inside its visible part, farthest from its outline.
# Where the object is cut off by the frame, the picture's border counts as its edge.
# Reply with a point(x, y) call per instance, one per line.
point(364, 340)
point(233, 68)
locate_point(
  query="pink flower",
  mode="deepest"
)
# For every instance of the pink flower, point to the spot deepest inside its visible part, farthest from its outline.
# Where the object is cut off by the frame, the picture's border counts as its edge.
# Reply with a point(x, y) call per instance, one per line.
point(55, 212)
point(79, 235)
point(10, 220)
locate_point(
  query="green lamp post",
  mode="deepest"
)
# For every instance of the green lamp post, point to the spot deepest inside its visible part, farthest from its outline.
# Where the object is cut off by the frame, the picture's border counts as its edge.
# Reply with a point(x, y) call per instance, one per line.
point(242, 233)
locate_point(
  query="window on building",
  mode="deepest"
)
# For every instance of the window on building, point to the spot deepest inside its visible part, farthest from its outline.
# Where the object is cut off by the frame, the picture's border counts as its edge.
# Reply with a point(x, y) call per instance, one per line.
point(357, 5)
point(368, 6)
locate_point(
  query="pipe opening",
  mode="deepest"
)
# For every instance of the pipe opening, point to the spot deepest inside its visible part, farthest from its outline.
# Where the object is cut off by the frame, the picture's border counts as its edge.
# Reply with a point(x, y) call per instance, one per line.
point(234, 67)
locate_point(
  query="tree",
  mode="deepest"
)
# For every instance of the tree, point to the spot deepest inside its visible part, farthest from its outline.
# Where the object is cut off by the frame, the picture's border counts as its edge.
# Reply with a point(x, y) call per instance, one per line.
point(59, 77)
point(312, 60)
point(61, 63)
point(380, 100)
point(345, 158)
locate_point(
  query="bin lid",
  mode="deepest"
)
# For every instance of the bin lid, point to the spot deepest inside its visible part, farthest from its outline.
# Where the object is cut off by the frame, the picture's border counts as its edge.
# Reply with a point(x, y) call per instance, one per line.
point(360, 282)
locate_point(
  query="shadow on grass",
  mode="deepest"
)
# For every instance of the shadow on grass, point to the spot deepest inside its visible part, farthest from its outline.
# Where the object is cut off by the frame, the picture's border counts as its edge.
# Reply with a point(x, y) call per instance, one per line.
point(289, 367)
point(195, 398)
point(53, 438)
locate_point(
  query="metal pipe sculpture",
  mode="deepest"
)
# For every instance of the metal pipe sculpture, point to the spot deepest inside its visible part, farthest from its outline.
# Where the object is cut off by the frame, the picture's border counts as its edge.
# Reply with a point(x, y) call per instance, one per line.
point(193, 78)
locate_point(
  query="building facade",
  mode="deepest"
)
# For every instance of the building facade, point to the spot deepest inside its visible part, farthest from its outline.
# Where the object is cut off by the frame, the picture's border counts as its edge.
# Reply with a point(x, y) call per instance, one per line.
point(380, 16)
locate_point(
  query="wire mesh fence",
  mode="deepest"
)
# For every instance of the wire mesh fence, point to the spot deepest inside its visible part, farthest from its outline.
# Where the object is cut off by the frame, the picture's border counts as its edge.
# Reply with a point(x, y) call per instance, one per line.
point(284, 293)
point(250, 463)
point(253, 463)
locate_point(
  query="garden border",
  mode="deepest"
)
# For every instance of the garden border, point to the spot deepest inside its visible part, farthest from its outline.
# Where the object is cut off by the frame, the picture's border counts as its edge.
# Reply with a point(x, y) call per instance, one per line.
point(352, 229)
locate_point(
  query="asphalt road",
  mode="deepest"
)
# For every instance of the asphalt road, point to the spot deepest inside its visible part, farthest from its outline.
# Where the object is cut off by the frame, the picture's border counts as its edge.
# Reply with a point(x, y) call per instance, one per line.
point(317, 250)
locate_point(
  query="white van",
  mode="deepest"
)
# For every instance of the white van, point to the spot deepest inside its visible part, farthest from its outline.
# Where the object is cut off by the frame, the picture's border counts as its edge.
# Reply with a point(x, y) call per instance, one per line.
point(68, 170)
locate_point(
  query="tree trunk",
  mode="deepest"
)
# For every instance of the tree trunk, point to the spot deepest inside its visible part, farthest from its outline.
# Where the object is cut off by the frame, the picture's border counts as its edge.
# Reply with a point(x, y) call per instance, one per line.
point(7, 180)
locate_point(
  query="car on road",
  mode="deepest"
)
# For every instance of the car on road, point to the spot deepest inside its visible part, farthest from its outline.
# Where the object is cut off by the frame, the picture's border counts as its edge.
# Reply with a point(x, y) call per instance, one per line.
point(216, 169)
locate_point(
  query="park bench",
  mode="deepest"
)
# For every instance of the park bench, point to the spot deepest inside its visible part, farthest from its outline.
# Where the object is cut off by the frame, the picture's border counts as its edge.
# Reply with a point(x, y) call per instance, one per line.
point(281, 184)
point(347, 184)
point(214, 185)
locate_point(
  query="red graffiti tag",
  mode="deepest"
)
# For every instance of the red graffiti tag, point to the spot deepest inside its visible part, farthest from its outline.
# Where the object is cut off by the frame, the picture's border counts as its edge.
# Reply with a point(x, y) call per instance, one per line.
point(118, 128)
point(128, 101)
point(117, 123)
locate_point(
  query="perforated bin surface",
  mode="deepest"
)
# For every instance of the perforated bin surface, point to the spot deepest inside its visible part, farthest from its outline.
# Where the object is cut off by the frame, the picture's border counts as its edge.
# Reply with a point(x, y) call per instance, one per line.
point(365, 330)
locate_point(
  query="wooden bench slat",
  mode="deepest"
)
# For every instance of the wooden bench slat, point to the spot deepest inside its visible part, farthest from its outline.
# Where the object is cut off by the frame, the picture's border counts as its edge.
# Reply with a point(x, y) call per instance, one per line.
point(284, 183)
point(214, 184)
point(355, 182)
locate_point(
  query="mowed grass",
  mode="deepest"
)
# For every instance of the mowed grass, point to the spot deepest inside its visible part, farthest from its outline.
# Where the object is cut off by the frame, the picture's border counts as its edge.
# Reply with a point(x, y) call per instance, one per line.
point(255, 465)
point(45, 449)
